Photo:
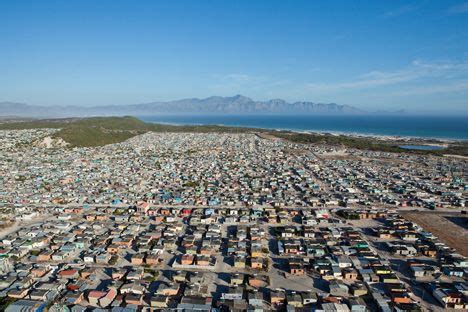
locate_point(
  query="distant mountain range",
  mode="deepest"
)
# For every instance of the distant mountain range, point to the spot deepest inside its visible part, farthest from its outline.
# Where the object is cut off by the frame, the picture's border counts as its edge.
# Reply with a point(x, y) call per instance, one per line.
point(212, 105)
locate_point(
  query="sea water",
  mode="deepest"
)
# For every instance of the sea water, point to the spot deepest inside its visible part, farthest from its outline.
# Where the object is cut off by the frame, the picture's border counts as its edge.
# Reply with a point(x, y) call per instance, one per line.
point(443, 127)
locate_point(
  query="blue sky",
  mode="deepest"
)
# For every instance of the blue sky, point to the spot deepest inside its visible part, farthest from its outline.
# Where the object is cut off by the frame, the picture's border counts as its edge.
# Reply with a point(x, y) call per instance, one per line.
point(371, 54)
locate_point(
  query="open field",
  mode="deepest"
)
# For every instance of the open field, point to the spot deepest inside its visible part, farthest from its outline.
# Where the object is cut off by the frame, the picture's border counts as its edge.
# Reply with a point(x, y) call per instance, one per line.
point(442, 226)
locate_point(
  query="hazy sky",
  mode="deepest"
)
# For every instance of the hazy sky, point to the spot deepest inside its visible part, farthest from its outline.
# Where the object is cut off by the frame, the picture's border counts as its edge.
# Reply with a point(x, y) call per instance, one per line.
point(370, 54)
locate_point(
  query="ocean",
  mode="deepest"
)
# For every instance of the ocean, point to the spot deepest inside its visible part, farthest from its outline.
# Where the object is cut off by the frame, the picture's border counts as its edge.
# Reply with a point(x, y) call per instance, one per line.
point(442, 127)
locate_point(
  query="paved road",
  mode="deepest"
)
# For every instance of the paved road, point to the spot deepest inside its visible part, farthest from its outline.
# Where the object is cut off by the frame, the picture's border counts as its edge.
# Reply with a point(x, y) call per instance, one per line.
point(296, 207)
point(398, 264)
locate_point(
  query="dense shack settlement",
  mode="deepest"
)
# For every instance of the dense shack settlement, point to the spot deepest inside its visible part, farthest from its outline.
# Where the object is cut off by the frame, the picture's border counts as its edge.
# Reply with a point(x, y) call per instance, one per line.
point(228, 222)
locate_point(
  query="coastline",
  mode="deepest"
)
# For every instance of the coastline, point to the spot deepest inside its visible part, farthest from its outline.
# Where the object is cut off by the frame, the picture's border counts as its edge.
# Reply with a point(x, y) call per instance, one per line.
point(433, 141)
point(81, 132)
point(443, 142)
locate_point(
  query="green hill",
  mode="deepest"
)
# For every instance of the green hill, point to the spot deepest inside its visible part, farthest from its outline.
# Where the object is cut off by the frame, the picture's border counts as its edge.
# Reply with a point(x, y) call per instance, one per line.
point(99, 131)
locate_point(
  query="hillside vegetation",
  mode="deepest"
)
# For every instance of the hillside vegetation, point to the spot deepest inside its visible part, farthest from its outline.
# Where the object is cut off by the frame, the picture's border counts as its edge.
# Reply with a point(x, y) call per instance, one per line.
point(347, 141)
point(36, 124)
point(99, 131)
point(371, 144)
point(107, 130)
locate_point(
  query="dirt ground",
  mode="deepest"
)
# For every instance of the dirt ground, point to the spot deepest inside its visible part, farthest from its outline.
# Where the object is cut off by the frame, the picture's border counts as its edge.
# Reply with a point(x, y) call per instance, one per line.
point(443, 226)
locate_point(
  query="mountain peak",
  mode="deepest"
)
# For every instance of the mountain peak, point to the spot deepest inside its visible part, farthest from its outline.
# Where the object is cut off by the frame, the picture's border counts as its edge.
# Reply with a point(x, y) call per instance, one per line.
point(239, 97)
point(237, 104)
